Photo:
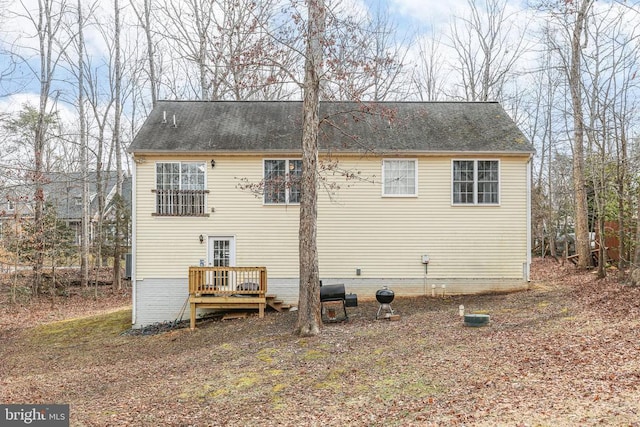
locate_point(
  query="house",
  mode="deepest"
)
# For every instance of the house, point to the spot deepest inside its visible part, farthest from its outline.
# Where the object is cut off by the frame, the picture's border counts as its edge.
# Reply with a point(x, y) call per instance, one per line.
point(215, 183)
point(64, 192)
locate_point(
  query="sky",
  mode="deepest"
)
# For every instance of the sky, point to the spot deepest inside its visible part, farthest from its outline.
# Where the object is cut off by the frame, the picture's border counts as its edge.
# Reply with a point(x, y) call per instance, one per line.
point(425, 17)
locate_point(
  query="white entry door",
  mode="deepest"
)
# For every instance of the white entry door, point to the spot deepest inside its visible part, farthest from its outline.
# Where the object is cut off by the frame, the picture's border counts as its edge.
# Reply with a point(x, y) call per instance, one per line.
point(222, 252)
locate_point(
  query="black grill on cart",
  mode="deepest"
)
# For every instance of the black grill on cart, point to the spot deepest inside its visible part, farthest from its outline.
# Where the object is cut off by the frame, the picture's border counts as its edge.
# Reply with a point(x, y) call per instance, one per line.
point(336, 294)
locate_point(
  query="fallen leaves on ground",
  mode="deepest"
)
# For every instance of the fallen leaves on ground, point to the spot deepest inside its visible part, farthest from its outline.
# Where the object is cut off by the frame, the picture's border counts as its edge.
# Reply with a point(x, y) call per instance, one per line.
point(563, 353)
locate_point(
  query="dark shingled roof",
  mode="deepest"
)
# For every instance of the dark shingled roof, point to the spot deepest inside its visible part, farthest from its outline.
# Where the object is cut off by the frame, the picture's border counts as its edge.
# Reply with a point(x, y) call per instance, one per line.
point(64, 191)
point(276, 126)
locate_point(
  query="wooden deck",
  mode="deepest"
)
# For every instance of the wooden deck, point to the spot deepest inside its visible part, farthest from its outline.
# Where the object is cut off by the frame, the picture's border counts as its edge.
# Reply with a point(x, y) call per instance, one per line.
point(229, 288)
point(595, 255)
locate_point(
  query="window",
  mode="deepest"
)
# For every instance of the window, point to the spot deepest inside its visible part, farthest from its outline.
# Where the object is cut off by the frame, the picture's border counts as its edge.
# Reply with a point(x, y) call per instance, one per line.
point(475, 182)
point(399, 177)
point(282, 181)
point(180, 189)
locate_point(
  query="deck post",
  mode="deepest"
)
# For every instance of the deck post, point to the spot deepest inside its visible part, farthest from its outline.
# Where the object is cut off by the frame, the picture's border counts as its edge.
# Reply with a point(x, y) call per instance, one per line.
point(193, 316)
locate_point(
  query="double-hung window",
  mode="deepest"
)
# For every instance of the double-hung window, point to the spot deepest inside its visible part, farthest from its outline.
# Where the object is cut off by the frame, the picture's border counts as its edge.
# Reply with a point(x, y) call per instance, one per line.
point(180, 189)
point(400, 177)
point(476, 182)
point(282, 181)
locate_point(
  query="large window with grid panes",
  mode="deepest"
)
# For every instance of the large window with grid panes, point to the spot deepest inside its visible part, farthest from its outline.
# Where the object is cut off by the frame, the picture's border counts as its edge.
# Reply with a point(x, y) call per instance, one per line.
point(476, 182)
point(282, 181)
point(180, 189)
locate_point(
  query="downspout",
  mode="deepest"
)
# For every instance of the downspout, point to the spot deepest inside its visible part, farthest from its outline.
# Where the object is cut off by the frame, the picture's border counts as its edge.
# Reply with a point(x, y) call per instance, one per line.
point(134, 235)
point(527, 266)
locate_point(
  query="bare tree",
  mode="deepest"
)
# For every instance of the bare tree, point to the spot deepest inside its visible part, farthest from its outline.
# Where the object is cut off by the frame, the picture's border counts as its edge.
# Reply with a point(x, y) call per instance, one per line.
point(428, 77)
point(541, 96)
point(84, 159)
point(144, 17)
point(601, 74)
point(366, 56)
point(230, 46)
point(488, 45)
point(583, 244)
point(565, 39)
point(46, 21)
point(101, 109)
point(309, 316)
point(188, 25)
point(117, 238)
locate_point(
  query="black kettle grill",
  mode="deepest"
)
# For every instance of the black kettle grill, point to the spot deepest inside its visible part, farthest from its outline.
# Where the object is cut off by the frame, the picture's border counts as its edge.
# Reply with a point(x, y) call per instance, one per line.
point(384, 296)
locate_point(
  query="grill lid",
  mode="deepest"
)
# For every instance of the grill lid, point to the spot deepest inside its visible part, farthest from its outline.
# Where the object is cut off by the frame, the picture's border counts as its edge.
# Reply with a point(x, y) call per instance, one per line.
point(384, 296)
point(332, 292)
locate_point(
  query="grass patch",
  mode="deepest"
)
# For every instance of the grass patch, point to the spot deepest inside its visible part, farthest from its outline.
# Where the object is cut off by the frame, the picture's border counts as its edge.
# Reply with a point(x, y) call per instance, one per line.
point(85, 329)
point(314, 355)
point(266, 355)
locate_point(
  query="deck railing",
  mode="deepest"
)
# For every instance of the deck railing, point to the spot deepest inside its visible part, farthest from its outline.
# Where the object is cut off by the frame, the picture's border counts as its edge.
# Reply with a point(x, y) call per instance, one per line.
point(225, 281)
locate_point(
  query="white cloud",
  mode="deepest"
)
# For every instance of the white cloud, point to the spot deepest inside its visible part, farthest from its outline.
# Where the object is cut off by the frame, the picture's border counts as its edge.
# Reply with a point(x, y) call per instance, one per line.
point(15, 103)
point(428, 13)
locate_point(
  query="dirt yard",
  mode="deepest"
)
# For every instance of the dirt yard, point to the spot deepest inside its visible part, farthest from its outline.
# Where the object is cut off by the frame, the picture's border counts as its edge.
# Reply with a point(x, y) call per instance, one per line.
point(565, 353)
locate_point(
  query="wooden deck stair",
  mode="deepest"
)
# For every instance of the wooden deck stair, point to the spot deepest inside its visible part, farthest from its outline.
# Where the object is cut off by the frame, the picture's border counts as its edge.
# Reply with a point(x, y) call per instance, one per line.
point(230, 288)
point(276, 304)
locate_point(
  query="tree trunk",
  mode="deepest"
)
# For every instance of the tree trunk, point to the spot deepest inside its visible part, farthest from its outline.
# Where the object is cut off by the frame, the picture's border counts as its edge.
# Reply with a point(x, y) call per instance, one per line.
point(150, 53)
point(45, 36)
point(117, 279)
point(309, 316)
point(84, 160)
point(583, 244)
point(634, 275)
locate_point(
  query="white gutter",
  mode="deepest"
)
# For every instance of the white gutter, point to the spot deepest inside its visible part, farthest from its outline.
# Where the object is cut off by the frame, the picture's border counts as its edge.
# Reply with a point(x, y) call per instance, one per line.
point(133, 241)
point(527, 267)
point(323, 152)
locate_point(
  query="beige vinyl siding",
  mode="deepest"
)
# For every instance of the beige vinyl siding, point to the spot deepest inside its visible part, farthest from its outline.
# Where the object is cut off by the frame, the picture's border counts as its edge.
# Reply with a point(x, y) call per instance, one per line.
point(386, 237)
point(357, 227)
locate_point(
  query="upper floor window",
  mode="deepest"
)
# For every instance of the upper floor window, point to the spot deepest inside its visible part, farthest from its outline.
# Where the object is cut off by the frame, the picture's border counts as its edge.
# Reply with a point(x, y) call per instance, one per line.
point(476, 182)
point(400, 177)
point(282, 181)
point(180, 189)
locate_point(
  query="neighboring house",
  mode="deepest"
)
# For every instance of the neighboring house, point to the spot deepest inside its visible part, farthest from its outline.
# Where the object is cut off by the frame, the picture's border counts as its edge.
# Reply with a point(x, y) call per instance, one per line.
point(13, 206)
point(110, 210)
point(215, 183)
point(64, 192)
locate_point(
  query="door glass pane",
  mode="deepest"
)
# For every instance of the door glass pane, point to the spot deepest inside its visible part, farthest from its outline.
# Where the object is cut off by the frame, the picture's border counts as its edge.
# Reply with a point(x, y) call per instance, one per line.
point(221, 258)
point(221, 253)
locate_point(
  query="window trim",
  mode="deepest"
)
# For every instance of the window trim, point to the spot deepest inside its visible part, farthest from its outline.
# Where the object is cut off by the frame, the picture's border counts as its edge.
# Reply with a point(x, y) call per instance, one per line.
point(415, 177)
point(475, 181)
point(287, 193)
point(204, 191)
